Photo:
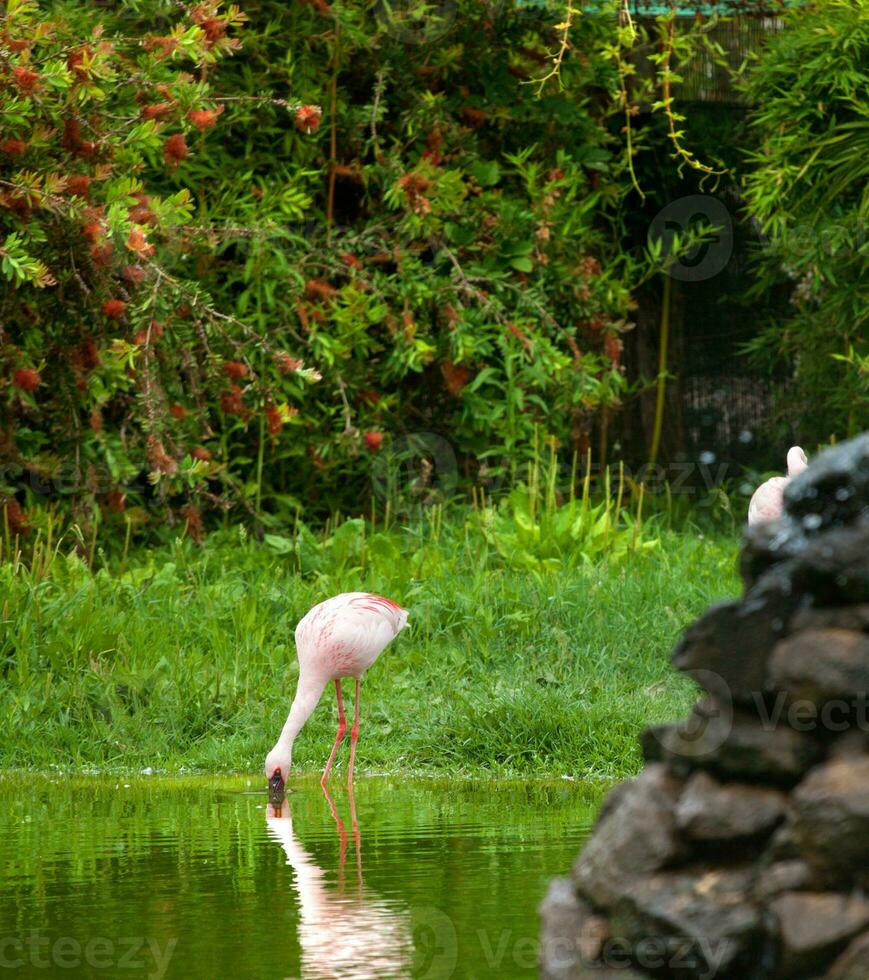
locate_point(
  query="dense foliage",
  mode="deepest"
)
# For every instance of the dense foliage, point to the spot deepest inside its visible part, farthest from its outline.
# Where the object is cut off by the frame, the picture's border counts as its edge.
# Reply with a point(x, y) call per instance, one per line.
point(808, 190)
point(234, 277)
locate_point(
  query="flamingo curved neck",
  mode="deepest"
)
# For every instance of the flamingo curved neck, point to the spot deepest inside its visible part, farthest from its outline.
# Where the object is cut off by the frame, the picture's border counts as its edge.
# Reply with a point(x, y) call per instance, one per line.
point(308, 694)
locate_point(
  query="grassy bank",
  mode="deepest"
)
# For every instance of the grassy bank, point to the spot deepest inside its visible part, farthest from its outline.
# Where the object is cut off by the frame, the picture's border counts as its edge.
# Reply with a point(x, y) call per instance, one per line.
point(529, 653)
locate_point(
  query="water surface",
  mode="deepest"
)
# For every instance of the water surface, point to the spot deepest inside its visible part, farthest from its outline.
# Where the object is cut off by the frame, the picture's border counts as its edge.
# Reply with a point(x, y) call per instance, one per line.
point(196, 877)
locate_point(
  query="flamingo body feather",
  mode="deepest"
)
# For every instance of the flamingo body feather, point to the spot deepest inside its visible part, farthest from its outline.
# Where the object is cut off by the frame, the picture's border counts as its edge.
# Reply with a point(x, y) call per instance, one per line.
point(767, 502)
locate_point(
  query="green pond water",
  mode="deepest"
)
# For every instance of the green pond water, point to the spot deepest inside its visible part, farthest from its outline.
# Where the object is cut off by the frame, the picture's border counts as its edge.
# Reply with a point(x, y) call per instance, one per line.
point(197, 877)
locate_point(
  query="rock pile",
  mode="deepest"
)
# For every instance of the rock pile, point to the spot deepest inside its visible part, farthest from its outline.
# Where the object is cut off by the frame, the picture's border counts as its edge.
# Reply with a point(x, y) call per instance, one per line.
point(742, 849)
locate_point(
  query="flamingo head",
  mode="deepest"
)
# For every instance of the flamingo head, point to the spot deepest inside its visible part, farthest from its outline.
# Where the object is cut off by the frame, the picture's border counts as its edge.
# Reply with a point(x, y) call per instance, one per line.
point(797, 461)
point(277, 771)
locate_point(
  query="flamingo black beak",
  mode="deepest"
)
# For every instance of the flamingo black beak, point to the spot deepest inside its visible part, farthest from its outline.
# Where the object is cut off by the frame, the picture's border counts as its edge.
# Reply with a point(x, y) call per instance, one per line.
point(276, 788)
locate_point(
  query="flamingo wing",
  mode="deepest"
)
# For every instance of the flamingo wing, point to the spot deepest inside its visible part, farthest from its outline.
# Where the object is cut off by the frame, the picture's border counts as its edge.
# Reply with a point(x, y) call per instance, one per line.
point(767, 501)
point(344, 635)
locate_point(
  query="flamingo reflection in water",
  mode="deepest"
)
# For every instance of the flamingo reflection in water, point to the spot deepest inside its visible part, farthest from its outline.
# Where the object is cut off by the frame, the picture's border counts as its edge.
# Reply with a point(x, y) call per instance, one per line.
point(345, 931)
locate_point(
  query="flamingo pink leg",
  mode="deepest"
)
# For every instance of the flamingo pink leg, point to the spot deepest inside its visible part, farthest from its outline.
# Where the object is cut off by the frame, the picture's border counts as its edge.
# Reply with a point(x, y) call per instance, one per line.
point(354, 736)
point(342, 731)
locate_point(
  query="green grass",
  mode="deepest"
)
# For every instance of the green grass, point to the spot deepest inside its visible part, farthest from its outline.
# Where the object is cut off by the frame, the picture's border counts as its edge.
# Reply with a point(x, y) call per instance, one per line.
point(539, 645)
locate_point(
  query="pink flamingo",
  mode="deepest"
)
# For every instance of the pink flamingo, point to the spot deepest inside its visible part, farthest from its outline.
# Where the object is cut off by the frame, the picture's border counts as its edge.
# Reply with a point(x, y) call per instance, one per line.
point(341, 637)
point(768, 500)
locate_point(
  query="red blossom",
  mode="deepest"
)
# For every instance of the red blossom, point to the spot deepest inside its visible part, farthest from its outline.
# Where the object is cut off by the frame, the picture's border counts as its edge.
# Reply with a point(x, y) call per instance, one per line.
point(89, 354)
point(25, 79)
point(175, 149)
point(14, 148)
point(96, 420)
point(213, 27)
point(159, 459)
point(235, 370)
point(133, 274)
point(204, 119)
point(164, 46)
point(14, 517)
point(350, 260)
point(178, 411)
point(71, 134)
point(79, 185)
point(202, 454)
point(138, 243)
point(193, 517)
point(27, 379)
point(76, 60)
point(274, 420)
point(232, 403)
point(101, 253)
point(613, 348)
point(158, 110)
point(316, 289)
point(456, 376)
point(114, 309)
point(287, 364)
point(153, 332)
point(308, 118)
point(373, 441)
point(14, 44)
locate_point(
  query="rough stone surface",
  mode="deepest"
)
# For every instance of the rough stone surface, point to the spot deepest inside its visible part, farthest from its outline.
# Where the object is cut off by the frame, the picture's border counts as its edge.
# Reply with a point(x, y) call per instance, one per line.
point(837, 617)
point(736, 746)
point(573, 936)
point(783, 876)
point(704, 916)
point(711, 811)
point(842, 673)
point(813, 926)
point(636, 835)
point(742, 851)
point(853, 964)
point(730, 643)
point(830, 821)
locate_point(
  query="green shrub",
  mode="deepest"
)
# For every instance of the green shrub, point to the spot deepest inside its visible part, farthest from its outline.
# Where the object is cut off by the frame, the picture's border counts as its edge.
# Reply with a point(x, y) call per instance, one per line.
point(406, 219)
point(808, 191)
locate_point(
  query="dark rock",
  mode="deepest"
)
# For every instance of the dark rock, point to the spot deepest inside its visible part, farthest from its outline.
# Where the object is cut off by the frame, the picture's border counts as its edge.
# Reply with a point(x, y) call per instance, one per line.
point(814, 926)
point(833, 570)
point(854, 742)
point(705, 919)
point(739, 747)
point(853, 964)
point(834, 490)
point(635, 836)
point(726, 650)
point(830, 496)
point(765, 783)
point(783, 876)
point(710, 811)
point(822, 665)
point(830, 822)
point(573, 936)
point(842, 617)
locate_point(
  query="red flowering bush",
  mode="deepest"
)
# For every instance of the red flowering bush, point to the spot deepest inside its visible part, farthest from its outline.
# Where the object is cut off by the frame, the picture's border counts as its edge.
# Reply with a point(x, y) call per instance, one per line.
point(234, 300)
point(106, 335)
